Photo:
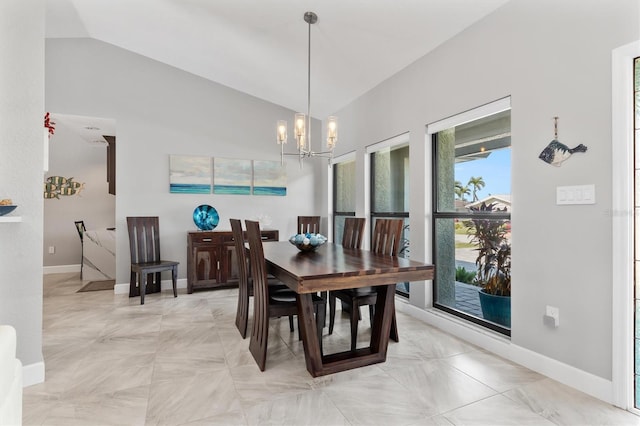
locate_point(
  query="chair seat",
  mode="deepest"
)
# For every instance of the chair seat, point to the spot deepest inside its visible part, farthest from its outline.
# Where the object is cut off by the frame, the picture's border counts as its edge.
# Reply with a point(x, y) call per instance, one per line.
point(282, 296)
point(284, 302)
point(287, 295)
point(357, 292)
point(273, 283)
point(149, 267)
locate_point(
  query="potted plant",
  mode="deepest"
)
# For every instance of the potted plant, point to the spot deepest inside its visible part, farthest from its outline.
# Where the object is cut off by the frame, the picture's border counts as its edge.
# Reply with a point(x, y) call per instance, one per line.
point(493, 264)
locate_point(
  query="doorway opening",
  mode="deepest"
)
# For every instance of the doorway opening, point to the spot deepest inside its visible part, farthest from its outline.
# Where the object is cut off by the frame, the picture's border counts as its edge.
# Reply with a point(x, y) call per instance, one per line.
point(79, 200)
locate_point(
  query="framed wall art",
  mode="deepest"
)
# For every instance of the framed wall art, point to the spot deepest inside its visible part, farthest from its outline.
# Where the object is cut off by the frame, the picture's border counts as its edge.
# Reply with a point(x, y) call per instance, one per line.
point(189, 175)
point(231, 176)
point(269, 178)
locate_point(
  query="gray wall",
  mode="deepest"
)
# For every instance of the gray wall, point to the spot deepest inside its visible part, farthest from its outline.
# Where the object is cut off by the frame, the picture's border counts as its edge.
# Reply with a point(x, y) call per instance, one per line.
point(159, 111)
point(72, 156)
point(554, 59)
point(21, 171)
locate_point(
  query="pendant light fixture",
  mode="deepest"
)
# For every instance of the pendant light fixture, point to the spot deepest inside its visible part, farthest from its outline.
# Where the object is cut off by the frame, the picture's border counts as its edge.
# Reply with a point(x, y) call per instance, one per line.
point(302, 121)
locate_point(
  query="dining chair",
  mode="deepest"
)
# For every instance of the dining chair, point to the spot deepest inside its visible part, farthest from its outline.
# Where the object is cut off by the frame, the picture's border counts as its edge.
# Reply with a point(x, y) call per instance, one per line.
point(308, 224)
point(245, 282)
point(385, 239)
point(352, 234)
point(146, 264)
point(81, 230)
point(311, 225)
point(270, 304)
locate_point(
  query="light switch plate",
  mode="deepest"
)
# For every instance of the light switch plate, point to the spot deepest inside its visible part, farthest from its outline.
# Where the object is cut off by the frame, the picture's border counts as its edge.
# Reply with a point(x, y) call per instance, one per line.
point(578, 194)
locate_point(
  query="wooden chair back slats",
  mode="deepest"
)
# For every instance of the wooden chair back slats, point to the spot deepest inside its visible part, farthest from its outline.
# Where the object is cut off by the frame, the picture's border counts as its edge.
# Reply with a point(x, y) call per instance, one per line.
point(308, 224)
point(144, 239)
point(353, 232)
point(242, 314)
point(260, 330)
point(386, 237)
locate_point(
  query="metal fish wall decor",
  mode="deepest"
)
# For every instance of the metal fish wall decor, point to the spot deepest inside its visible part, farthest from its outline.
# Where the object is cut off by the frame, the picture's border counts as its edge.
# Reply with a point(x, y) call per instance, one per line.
point(556, 152)
point(55, 186)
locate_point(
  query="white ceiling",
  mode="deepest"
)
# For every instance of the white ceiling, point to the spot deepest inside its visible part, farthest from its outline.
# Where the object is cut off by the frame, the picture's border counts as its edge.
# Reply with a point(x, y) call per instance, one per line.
point(90, 129)
point(260, 46)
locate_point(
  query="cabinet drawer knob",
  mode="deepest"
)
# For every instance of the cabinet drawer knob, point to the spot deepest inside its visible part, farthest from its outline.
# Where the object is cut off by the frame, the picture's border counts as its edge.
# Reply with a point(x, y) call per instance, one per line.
point(206, 240)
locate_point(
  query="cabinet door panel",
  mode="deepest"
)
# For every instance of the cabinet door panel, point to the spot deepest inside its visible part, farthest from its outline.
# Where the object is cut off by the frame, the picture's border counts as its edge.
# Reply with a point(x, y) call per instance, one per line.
point(207, 263)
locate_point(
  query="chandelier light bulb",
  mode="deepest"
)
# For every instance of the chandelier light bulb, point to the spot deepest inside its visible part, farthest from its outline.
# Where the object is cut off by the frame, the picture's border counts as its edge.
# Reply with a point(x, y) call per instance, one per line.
point(332, 132)
point(281, 133)
point(300, 129)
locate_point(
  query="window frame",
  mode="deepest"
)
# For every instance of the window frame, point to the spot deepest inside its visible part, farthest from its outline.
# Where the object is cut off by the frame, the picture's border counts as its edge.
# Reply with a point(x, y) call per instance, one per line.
point(345, 158)
point(393, 142)
point(433, 129)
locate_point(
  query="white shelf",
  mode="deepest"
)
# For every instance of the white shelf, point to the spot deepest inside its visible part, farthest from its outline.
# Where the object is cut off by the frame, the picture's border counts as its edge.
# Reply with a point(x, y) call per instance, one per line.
point(10, 219)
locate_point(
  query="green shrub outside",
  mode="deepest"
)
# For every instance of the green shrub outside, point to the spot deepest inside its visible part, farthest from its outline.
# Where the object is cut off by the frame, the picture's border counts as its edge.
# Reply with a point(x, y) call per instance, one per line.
point(464, 276)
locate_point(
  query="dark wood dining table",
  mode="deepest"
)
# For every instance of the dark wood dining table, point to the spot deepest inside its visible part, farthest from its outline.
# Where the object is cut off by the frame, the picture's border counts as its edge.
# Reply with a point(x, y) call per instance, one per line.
point(332, 267)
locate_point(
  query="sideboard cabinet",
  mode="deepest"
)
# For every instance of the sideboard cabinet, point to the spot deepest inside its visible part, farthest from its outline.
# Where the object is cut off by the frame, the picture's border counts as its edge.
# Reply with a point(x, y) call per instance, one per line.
point(212, 260)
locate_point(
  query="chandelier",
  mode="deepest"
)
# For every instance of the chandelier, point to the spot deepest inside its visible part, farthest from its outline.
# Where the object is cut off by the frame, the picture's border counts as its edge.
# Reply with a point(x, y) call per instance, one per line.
point(302, 122)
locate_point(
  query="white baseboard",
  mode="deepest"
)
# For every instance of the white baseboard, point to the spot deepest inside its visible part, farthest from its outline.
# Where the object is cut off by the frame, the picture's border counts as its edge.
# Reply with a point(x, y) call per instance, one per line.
point(501, 345)
point(123, 288)
point(60, 269)
point(32, 374)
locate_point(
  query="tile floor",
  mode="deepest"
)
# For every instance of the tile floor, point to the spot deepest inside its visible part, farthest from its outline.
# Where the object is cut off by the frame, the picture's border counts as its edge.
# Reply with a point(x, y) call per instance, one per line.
point(111, 361)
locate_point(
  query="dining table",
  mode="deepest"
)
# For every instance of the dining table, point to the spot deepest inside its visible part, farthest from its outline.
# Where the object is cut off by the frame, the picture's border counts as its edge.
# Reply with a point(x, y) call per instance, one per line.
point(333, 267)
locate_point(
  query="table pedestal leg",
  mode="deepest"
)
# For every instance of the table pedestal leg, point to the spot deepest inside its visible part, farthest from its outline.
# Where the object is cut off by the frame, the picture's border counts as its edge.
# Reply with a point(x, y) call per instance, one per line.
point(385, 303)
point(319, 365)
point(312, 348)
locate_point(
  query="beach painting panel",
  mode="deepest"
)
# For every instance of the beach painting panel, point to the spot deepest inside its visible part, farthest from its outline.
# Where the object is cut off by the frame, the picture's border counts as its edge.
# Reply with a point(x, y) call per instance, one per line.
point(269, 178)
point(189, 175)
point(231, 176)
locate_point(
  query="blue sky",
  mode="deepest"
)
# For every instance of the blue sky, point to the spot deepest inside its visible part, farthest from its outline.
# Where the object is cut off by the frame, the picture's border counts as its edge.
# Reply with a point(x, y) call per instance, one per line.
point(495, 170)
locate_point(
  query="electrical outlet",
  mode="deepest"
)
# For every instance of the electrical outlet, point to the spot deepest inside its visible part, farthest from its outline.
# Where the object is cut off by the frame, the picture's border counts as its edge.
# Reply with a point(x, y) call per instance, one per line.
point(52, 249)
point(552, 316)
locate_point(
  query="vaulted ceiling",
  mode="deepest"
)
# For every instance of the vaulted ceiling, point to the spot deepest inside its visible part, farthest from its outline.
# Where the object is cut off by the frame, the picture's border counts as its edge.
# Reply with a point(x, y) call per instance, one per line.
point(260, 46)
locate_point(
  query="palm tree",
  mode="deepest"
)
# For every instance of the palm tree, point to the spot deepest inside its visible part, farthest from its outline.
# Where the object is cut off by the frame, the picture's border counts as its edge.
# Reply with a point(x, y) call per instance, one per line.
point(461, 190)
point(477, 183)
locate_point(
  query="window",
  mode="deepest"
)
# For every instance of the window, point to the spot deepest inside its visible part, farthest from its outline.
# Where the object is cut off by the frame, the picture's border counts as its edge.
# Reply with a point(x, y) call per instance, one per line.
point(472, 211)
point(389, 193)
point(344, 193)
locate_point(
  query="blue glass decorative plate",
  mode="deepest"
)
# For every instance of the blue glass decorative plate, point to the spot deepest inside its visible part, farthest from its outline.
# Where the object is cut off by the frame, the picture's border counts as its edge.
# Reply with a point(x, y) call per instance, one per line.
point(205, 217)
point(6, 209)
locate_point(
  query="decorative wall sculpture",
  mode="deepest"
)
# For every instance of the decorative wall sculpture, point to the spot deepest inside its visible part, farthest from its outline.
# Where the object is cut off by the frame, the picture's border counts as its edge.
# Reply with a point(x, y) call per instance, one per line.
point(55, 186)
point(556, 152)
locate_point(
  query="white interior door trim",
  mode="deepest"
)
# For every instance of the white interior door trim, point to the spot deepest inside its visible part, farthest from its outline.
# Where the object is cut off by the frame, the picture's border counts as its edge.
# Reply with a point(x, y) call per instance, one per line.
point(622, 213)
